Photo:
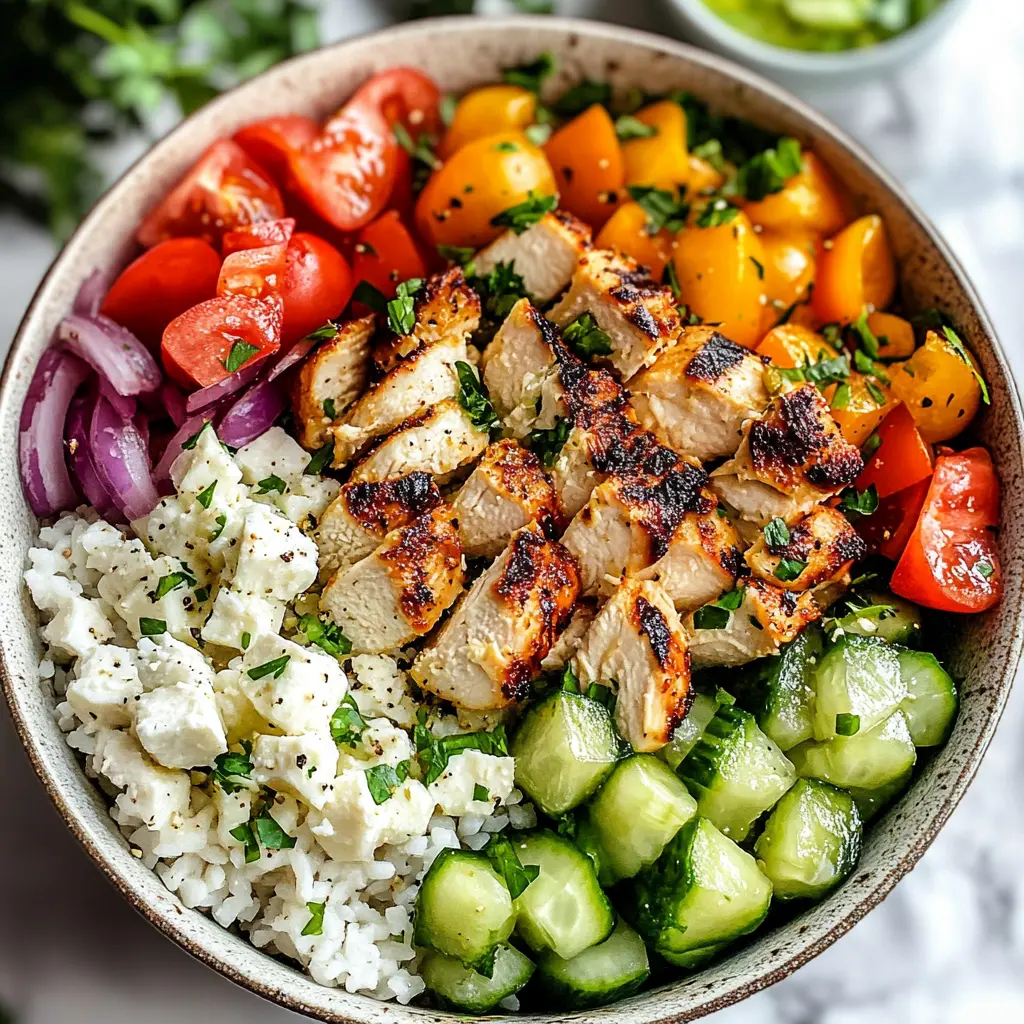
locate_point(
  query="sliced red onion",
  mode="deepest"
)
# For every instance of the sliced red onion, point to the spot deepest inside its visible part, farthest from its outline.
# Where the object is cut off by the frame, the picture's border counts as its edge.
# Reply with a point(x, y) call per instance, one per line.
point(188, 429)
point(44, 473)
point(126, 407)
point(173, 402)
point(295, 354)
point(112, 351)
point(76, 433)
point(205, 397)
point(92, 293)
point(122, 461)
point(252, 415)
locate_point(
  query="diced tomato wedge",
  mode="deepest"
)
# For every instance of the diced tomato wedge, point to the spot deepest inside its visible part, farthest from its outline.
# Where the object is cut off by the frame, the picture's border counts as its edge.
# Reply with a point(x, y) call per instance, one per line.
point(219, 336)
point(404, 95)
point(271, 142)
point(160, 285)
point(253, 236)
point(258, 273)
point(951, 562)
point(903, 458)
point(226, 189)
point(317, 286)
point(402, 198)
point(889, 527)
point(386, 254)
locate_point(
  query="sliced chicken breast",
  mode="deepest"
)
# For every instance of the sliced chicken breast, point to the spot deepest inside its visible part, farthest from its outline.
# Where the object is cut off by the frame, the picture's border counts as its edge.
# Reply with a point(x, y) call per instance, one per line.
point(398, 592)
point(638, 314)
point(331, 379)
point(790, 459)
point(637, 645)
point(437, 441)
point(544, 255)
point(362, 514)
point(507, 490)
point(492, 646)
point(697, 395)
point(572, 636)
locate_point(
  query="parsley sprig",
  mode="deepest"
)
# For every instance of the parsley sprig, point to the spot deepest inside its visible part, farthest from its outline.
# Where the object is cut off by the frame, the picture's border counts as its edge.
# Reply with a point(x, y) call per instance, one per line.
point(473, 399)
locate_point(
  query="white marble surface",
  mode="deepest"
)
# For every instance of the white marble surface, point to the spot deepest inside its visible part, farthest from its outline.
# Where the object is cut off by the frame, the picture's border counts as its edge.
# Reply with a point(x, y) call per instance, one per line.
point(947, 947)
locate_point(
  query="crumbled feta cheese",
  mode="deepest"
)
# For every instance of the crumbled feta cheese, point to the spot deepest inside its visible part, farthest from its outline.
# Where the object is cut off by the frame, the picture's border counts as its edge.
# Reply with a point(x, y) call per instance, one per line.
point(454, 790)
point(208, 463)
point(236, 614)
point(380, 687)
point(241, 720)
point(275, 559)
point(380, 743)
point(275, 453)
point(105, 687)
point(304, 766)
point(233, 809)
point(78, 624)
point(163, 660)
point(179, 725)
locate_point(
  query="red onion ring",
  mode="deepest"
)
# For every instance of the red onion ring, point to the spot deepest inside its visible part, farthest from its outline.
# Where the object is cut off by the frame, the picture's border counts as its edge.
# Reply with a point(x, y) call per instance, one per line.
point(205, 397)
point(122, 461)
point(76, 433)
point(92, 293)
point(173, 402)
point(112, 351)
point(295, 354)
point(252, 415)
point(162, 470)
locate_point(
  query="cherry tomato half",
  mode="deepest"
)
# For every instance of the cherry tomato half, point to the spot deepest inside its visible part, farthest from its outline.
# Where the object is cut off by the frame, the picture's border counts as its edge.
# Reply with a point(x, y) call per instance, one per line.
point(271, 142)
point(257, 272)
point(253, 236)
point(889, 527)
point(386, 254)
point(317, 286)
point(902, 458)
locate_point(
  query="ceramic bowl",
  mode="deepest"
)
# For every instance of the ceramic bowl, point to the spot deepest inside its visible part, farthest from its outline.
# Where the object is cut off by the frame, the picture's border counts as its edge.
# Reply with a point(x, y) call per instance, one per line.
point(982, 651)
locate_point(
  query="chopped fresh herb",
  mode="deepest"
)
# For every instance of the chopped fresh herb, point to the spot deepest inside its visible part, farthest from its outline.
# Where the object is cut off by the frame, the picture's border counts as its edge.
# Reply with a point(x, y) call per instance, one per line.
point(866, 365)
point(420, 150)
point(274, 668)
point(402, 308)
point(460, 254)
point(723, 698)
point(272, 483)
point(434, 753)
point(202, 594)
point(330, 410)
point(954, 342)
point(530, 76)
point(759, 267)
point(447, 107)
point(481, 792)
point(231, 767)
point(847, 724)
point(841, 397)
point(582, 95)
point(662, 208)
point(985, 568)
point(672, 280)
point(870, 446)
point(221, 521)
point(205, 496)
point(585, 338)
point(315, 924)
point(789, 569)
point(538, 134)
point(152, 627)
point(499, 290)
point(525, 214)
point(629, 127)
point(327, 635)
point(371, 296)
point(570, 682)
point(716, 615)
point(502, 855)
point(172, 581)
point(567, 825)
point(190, 443)
point(320, 458)
point(241, 352)
point(246, 640)
point(822, 373)
point(766, 172)
point(548, 444)
point(325, 333)
point(860, 503)
point(506, 147)
point(867, 340)
point(776, 534)
point(716, 213)
point(244, 834)
point(383, 779)
point(876, 393)
point(270, 833)
point(347, 724)
point(473, 398)
point(711, 151)
point(603, 695)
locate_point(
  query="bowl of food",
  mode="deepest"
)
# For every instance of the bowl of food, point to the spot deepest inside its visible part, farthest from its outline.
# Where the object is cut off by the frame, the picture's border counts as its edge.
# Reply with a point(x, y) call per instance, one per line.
point(456, 558)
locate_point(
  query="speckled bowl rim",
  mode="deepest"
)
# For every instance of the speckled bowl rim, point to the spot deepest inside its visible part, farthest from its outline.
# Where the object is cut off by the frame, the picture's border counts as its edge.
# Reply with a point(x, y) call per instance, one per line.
point(289, 987)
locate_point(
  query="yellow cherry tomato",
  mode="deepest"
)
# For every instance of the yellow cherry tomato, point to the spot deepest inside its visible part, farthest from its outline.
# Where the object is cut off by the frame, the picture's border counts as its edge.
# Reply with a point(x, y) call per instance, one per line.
point(895, 335)
point(659, 159)
point(626, 231)
point(860, 406)
point(719, 279)
point(484, 178)
point(790, 262)
point(790, 345)
point(856, 271)
point(587, 163)
point(494, 108)
point(938, 388)
point(703, 178)
point(810, 201)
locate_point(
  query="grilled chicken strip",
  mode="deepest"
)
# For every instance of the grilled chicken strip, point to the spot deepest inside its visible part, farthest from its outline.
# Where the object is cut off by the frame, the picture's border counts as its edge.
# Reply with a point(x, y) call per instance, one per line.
point(362, 514)
point(544, 255)
point(638, 314)
point(331, 379)
point(572, 636)
point(437, 441)
point(492, 646)
point(507, 490)
point(697, 395)
point(638, 645)
point(767, 617)
point(789, 460)
point(398, 592)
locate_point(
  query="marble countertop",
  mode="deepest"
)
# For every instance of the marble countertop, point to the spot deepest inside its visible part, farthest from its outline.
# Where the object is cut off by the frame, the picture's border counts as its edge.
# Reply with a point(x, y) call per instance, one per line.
point(947, 947)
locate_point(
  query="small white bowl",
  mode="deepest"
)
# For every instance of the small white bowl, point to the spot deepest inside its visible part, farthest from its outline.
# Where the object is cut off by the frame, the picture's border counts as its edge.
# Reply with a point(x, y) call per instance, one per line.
point(802, 70)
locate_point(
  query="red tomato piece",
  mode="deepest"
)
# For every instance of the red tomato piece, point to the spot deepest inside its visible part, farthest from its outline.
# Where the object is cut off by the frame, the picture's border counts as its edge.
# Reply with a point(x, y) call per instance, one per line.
point(226, 189)
point(213, 339)
point(889, 528)
point(951, 562)
point(271, 142)
point(406, 95)
point(385, 254)
point(902, 459)
point(160, 285)
point(254, 236)
point(258, 273)
point(317, 286)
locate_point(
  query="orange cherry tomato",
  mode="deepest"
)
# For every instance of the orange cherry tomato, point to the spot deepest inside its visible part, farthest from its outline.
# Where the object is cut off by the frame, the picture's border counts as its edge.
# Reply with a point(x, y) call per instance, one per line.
point(719, 279)
point(484, 111)
point(225, 189)
point(902, 458)
point(253, 236)
point(271, 142)
point(810, 201)
point(160, 285)
point(790, 262)
point(702, 178)
point(660, 159)
point(258, 273)
point(317, 286)
point(481, 181)
point(856, 271)
point(790, 345)
point(895, 335)
point(587, 164)
point(626, 231)
point(862, 410)
point(888, 529)
point(951, 562)
point(385, 254)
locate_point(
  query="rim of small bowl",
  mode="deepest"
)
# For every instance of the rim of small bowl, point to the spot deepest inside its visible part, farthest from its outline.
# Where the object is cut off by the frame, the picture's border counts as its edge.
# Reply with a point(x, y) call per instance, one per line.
point(811, 62)
point(300, 992)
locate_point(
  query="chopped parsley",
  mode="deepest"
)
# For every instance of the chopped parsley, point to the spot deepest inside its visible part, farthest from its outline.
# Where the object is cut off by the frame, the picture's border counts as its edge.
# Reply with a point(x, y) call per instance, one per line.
point(506, 147)
point(347, 724)
point(232, 769)
point(371, 296)
point(272, 483)
point(716, 615)
point(329, 409)
point(499, 290)
point(824, 372)
point(759, 267)
point(841, 397)
point(548, 444)
point(776, 534)
point(582, 95)
point(270, 833)
point(473, 398)
point(662, 208)
point(481, 793)
point(315, 924)
point(503, 857)
point(383, 779)
point(876, 393)
point(954, 342)
point(847, 724)
point(318, 462)
point(171, 582)
point(585, 338)
point(189, 443)
point(870, 446)
point(421, 151)
point(859, 503)
point(247, 837)
point(274, 668)
point(325, 333)
point(525, 214)
point(789, 569)
point(672, 280)
point(222, 521)
point(205, 496)
point(716, 213)
point(766, 172)
point(629, 127)
point(530, 76)
point(246, 640)
point(985, 568)
point(152, 627)
point(401, 309)
point(241, 352)
point(866, 337)
point(202, 594)
point(326, 635)
point(460, 254)
point(435, 752)
point(538, 134)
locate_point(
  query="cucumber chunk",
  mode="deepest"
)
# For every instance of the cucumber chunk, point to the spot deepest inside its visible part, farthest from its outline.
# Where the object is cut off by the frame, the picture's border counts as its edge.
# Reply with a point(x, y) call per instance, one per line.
point(608, 971)
point(931, 701)
point(811, 840)
point(458, 987)
point(778, 691)
point(701, 893)
point(735, 772)
point(589, 842)
point(636, 812)
point(867, 760)
point(463, 909)
point(857, 685)
point(702, 710)
point(885, 616)
point(871, 802)
point(564, 748)
point(564, 908)
point(844, 15)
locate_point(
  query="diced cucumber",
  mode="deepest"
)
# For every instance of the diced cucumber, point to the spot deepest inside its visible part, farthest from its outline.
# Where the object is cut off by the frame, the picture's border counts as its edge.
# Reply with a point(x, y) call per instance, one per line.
point(844, 15)
point(601, 974)
point(869, 759)
point(637, 811)
point(463, 909)
point(811, 840)
point(778, 691)
point(564, 748)
point(589, 842)
point(871, 802)
point(702, 710)
point(931, 700)
point(564, 908)
point(735, 772)
point(857, 685)
point(885, 616)
point(458, 987)
point(701, 893)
